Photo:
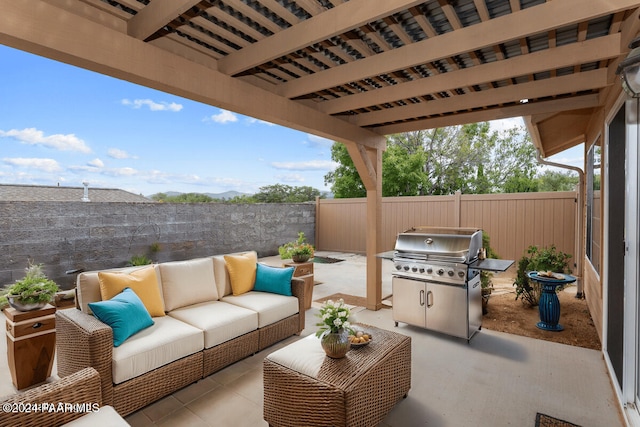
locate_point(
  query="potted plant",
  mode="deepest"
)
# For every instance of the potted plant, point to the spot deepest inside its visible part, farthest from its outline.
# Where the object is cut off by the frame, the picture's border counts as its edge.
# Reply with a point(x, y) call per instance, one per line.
point(32, 292)
point(545, 259)
point(334, 328)
point(298, 251)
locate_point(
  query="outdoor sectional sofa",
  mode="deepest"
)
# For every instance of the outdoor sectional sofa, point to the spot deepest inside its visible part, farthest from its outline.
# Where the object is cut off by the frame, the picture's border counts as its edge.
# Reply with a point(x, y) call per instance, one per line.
point(201, 324)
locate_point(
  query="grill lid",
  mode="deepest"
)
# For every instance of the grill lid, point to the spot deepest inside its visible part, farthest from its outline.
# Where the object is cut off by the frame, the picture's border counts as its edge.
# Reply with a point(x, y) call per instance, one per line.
point(440, 243)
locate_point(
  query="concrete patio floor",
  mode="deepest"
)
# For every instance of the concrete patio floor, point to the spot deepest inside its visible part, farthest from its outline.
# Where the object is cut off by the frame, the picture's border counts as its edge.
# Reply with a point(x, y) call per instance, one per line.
point(496, 379)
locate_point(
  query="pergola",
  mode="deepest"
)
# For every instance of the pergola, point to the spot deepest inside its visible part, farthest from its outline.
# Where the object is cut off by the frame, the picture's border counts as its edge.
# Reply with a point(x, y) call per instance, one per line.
point(353, 70)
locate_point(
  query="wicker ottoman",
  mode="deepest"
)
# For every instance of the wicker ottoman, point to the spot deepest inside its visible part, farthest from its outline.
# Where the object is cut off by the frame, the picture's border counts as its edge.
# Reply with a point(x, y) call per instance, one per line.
point(303, 387)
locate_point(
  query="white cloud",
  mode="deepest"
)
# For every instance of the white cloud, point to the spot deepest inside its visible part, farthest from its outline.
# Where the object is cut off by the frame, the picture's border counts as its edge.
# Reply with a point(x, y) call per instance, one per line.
point(224, 116)
point(121, 172)
point(117, 153)
point(307, 165)
point(318, 141)
point(251, 121)
point(33, 136)
point(96, 163)
point(290, 178)
point(153, 106)
point(46, 165)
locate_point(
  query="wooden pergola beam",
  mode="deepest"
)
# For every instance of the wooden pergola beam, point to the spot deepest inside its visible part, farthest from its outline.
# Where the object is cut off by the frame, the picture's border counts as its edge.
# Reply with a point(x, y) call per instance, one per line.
point(534, 20)
point(318, 28)
point(577, 53)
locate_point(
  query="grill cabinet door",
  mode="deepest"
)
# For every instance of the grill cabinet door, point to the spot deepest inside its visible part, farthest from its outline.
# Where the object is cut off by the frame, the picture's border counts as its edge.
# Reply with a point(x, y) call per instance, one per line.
point(409, 297)
point(447, 309)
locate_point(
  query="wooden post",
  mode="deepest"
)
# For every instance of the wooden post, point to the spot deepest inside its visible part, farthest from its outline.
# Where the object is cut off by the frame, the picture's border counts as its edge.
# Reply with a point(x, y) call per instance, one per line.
point(374, 236)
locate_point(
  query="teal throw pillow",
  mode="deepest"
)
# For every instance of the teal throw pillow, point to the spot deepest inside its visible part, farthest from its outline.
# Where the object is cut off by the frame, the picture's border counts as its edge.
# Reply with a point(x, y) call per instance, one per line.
point(273, 279)
point(125, 313)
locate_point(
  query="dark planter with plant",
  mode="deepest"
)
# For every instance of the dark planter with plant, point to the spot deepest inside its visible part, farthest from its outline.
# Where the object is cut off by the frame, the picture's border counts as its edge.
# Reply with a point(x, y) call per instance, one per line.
point(32, 292)
point(545, 259)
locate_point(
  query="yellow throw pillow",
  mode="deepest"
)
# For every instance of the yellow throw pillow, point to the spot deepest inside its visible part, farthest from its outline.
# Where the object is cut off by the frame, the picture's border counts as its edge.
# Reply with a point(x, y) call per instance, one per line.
point(242, 272)
point(143, 282)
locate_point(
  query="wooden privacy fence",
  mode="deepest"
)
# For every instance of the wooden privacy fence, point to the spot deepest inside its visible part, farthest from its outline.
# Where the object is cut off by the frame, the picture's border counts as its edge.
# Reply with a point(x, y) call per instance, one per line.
point(513, 221)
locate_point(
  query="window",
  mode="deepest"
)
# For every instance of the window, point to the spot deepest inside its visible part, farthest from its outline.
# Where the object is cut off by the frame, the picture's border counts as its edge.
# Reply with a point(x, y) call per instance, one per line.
point(594, 240)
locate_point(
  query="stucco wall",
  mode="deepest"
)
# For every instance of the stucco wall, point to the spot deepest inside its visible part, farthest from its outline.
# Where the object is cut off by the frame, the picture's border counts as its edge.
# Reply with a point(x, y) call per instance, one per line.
point(69, 235)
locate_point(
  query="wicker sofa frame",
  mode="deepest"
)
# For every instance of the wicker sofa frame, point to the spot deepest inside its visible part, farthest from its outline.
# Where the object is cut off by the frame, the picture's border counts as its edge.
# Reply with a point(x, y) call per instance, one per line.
point(81, 387)
point(83, 341)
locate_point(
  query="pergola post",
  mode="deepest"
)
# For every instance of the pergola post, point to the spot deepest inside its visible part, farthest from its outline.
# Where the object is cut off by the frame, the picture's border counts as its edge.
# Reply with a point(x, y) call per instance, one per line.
point(374, 236)
point(368, 163)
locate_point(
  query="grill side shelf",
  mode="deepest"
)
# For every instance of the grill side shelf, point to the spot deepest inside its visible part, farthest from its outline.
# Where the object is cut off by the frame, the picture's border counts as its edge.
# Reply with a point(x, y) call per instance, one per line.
point(490, 264)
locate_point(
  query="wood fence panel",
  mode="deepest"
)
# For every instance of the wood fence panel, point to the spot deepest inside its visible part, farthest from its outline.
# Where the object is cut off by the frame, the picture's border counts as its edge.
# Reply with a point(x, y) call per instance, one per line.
point(513, 221)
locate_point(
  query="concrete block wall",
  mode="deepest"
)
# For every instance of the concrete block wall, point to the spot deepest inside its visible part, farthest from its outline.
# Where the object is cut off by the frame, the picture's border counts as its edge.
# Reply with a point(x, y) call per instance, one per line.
point(71, 235)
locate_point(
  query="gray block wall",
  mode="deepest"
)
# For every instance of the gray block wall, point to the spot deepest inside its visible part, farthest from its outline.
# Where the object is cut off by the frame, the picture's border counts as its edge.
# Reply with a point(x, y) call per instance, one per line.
point(71, 235)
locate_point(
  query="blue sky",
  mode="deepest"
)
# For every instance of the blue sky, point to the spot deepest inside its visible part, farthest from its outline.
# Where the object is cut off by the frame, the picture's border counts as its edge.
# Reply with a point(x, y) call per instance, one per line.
point(64, 125)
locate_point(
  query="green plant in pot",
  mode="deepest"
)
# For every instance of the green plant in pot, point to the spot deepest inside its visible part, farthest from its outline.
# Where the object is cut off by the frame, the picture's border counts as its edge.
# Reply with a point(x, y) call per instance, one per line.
point(298, 251)
point(32, 292)
point(537, 259)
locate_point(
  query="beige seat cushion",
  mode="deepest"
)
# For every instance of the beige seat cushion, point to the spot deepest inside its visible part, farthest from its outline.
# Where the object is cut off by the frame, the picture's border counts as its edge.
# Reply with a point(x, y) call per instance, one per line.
point(219, 320)
point(305, 356)
point(105, 416)
point(270, 307)
point(223, 282)
point(166, 341)
point(188, 282)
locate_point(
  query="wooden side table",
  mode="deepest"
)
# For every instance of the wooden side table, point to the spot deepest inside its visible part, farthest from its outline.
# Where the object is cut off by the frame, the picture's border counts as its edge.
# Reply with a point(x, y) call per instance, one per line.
point(31, 344)
point(304, 271)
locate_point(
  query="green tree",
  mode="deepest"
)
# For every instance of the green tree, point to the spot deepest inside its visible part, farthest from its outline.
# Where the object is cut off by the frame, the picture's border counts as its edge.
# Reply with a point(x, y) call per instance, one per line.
point(558, 181)
point(512, 155)
point(470, 158)
point(183, 198)
point(517, 183)
point(280, 193)
point(344, 179)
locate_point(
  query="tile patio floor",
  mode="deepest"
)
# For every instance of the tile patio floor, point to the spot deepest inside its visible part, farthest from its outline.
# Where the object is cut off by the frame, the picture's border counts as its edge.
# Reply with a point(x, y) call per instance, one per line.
point(495, 380)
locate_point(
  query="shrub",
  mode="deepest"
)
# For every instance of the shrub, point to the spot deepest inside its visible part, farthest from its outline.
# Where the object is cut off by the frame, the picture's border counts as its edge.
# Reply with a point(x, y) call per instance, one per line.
point(545, 259)
point(137, 260)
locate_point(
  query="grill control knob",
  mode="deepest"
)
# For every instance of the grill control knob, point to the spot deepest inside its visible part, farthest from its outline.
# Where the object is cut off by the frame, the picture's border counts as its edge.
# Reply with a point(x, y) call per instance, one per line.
point(450, 273)
point(429, 270)
point(406, 268)
point(414, 269)
point(460, 273)
point(398, 267)
point(441, 272)
point(421, 270)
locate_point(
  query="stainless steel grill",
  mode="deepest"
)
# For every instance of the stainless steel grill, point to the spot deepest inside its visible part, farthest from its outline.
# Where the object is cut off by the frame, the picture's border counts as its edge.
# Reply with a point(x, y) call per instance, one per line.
point(434, 285)
point(439, 254)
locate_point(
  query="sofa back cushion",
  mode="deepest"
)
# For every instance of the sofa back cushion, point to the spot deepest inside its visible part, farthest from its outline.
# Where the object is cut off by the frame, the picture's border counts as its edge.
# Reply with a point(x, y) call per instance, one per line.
point(143, 282)
point(223, 281)
point(188, 282)
point(88, 285)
